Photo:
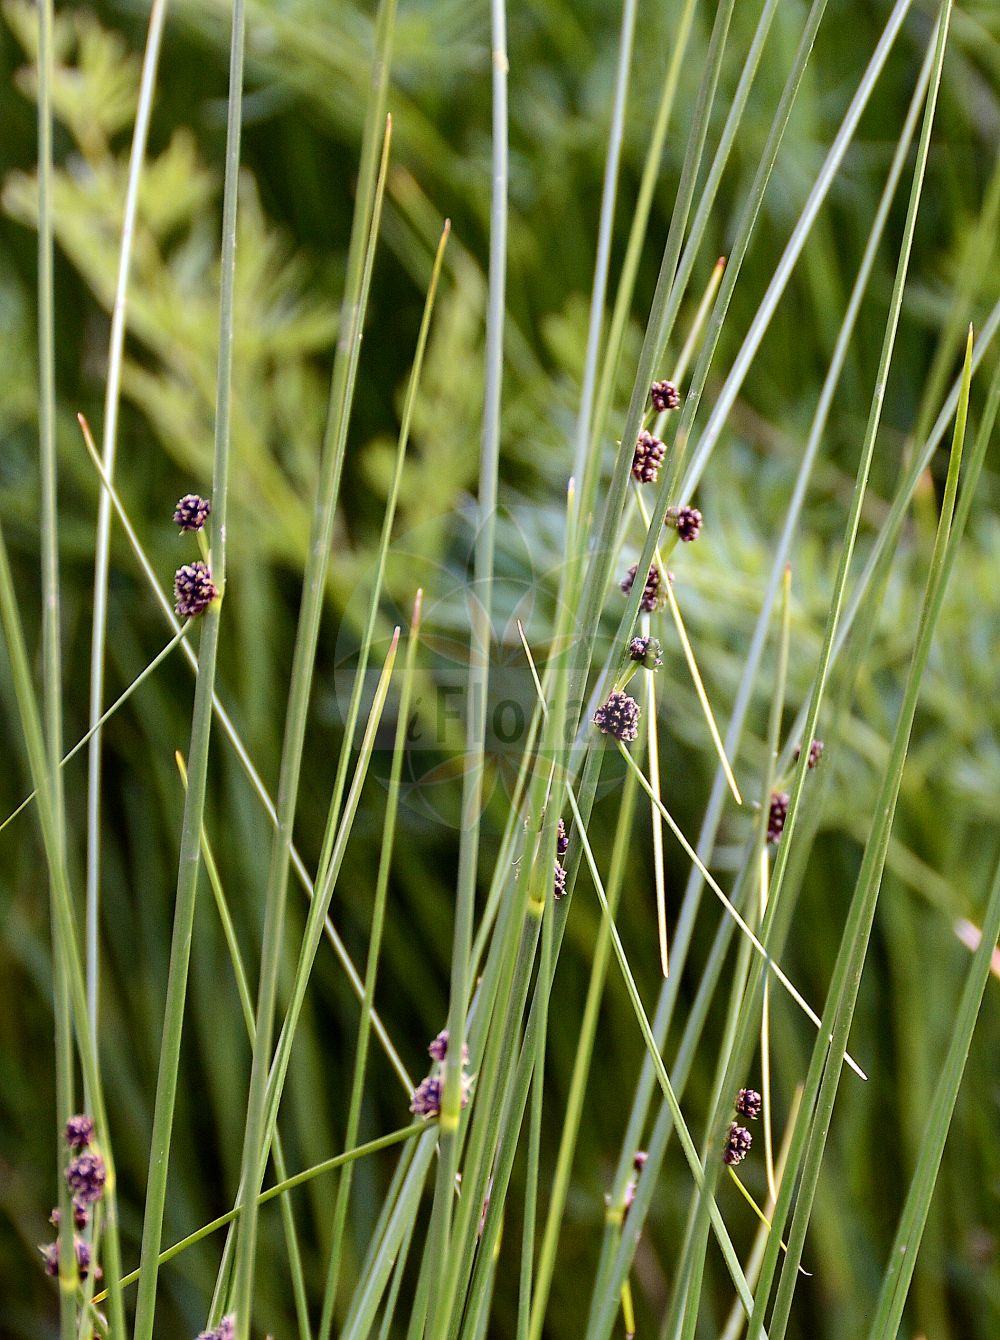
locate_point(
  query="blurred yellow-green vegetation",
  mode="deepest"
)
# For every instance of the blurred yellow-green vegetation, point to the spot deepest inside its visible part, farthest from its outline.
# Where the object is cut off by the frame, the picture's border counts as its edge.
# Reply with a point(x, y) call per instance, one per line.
point(307, 77)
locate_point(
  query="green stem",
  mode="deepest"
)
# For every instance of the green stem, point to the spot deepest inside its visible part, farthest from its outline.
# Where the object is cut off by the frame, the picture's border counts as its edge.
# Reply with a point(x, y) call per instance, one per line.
point(201, 728)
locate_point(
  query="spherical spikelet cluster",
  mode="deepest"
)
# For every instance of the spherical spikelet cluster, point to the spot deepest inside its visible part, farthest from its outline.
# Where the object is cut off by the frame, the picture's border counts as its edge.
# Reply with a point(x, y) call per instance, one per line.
point(85, 1177)
point(815, 753)
point(79, 1132)
point(647, 651)
point(738, 1143)
point(559, 882)
point(81, 1215)
point(437, 1049)
point(776, 815)
point(50, 1258)
point(194, 589)
point(648, 457)
point(192, 512)
point(226, 1329)
point(749, 1103)
point(619, 717)
point(562, 840)
point(664, 396)
point(652, 597)
point(686, 521)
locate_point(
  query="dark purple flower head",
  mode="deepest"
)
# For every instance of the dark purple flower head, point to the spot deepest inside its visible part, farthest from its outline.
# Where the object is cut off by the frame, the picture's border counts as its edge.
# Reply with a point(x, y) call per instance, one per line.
point(226, 1329)
point(738, 1143)
point(648, 457)
point(562, 839)
point(559, 882)
point(426, 1101)
point(618, 717)
point(664, 396)
point(652, 597)
point(815, 753)
point(647, 651)
point(639, 1162)
point(81, 1215)
point(192, 512)
point(749, 1103)
point(686, 521)
point(194, 589)
point(50, 1255)
point(79, 1132)
point(85, 1177)
point(776, 815)
point(438, 1049)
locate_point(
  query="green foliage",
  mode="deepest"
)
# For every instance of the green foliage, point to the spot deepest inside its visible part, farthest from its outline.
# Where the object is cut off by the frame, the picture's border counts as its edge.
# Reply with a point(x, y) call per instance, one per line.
point(307, 89)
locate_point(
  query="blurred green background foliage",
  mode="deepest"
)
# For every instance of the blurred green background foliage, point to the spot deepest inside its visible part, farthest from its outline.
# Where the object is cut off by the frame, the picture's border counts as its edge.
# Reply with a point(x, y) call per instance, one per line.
point(308, 70)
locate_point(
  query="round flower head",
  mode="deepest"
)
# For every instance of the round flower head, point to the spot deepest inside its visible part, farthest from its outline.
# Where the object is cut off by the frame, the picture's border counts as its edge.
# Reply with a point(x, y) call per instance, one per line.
point(639, 1162)
point(562, 839)
point(559, 882)
point(438, 1049)
point(748, 1103)
point(79, 1132)
point(647, 651)
point(50, 1258)
point(226, 1330)
point(686, 521)
point(776, 815)
point(649, 454)
point(738, 1143)
point(652, 597)
point(664, 396)
point(618, 717)
point(192, 512)
point(194, 589)
point(81, 1215)
point(815, 753)
point(426, 1101)
point(85, 1177)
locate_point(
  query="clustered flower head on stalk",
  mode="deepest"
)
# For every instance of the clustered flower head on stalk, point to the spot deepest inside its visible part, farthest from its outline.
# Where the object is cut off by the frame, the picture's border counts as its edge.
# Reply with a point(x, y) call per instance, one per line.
point(426, 1100)
point(653, 598)
point(194, 589)
point(619, 717)
point(225, 1330)
point(50, 1258)
point(648, 457)
point(686, 521)
point(85, 1177)
point(749, 1103)
point(192, 511)
point(647, 651)
point(776, 815)
point(664, 395)
point(737, 1146)
point(815, 753)
point(79, 1132)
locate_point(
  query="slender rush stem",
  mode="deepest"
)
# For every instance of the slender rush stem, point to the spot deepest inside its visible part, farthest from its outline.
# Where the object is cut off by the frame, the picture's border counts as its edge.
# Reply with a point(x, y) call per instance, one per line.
point(102, 546)
point(189, 860)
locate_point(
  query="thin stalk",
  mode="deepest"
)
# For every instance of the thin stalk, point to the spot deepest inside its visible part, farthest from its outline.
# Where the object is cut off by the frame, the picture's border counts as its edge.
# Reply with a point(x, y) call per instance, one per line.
point(906, 1244)
point(201, 727)
point(279, 1189)
point(653, 747)
point(364, 230)
point(572, 1117)
point(598, 295)
point(109, 712)
point(246, 762)
point(102, 545)
point(740, 921)
point(687, 1144)
point(371, 970)
point(824, 1072)
point(246, 1005)
point(439, 1235)
point(64, 922)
